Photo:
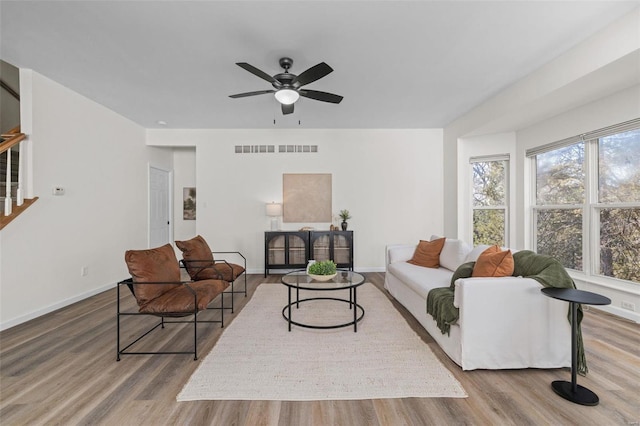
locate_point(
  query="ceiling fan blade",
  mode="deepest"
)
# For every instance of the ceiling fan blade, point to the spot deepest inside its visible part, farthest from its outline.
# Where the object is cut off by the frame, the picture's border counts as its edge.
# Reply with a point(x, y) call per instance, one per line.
point(287, 109)
point(257, 92)
point(321, 96)
point(255, 71)
point(314, 73)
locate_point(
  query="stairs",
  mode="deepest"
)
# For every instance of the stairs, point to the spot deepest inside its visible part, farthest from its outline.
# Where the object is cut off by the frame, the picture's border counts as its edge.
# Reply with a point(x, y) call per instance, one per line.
point(17, 210)
point(11, 141)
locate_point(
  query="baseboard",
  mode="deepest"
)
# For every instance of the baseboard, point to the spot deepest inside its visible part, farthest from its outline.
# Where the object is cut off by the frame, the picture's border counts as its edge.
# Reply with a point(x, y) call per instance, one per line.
point(284, 271)
point(371, 269)
point(35, 314)
point(619, 312)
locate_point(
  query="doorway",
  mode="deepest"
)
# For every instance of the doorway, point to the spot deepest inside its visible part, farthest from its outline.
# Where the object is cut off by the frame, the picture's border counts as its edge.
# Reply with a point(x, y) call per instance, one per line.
point(159, 207)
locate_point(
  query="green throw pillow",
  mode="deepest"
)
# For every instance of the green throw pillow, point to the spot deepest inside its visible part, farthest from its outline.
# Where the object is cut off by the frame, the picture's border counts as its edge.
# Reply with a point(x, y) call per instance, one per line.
point(464, 271)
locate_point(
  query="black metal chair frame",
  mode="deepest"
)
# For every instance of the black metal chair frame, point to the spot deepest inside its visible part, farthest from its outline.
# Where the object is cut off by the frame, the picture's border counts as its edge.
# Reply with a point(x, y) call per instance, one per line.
point(129, 283)
point(232, 291)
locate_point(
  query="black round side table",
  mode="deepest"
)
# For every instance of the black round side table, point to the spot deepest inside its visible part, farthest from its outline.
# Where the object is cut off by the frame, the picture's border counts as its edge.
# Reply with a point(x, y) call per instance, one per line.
point(572, 391)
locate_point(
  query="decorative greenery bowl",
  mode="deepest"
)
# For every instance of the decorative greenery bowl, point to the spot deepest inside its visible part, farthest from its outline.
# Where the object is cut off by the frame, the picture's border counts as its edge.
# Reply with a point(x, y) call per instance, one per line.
point(323, 277)
point(322, 271)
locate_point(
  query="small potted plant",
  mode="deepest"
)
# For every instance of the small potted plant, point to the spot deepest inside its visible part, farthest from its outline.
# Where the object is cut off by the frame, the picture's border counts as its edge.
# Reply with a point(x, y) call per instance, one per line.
point(344, 215)
point(322, 271)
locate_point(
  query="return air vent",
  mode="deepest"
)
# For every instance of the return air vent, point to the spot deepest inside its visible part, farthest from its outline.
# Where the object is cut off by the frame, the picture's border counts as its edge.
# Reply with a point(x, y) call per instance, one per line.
point(269, 149)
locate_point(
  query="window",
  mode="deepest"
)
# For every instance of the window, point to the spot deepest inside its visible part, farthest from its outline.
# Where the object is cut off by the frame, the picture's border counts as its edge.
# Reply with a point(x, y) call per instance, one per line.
point(618, 208)
point(490, 200)
point(560, 199)
point(586, 210)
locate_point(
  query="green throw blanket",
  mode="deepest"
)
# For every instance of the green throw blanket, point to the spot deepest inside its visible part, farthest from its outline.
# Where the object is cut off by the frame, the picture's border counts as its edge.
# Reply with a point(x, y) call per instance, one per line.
point(547, 270)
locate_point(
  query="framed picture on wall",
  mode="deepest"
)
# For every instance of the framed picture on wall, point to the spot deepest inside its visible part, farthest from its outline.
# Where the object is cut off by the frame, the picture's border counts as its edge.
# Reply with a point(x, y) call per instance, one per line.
point(189, 204)
point(306, 197)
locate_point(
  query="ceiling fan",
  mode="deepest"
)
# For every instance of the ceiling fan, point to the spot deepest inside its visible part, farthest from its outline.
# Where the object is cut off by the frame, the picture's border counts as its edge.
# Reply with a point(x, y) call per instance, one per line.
point(287, 87)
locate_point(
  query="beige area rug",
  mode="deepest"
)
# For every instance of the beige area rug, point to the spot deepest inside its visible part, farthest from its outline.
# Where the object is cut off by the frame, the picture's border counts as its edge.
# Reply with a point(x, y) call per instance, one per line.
point(256, 358)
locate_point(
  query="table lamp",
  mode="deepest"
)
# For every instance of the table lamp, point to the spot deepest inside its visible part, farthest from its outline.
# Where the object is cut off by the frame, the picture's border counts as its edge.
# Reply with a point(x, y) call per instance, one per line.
point(274, 210)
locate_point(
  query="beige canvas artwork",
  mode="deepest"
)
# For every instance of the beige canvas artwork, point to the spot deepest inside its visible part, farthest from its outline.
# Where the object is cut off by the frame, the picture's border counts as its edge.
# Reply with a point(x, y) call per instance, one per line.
point(306, 197)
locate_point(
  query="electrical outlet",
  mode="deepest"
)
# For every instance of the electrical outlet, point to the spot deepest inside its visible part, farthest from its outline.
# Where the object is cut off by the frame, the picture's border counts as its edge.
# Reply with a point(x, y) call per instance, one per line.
point(84, 271)
point(628, 305)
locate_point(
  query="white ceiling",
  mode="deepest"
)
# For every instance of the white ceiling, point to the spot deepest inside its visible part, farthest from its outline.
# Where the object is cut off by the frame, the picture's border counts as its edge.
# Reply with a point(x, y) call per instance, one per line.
point(398, 64)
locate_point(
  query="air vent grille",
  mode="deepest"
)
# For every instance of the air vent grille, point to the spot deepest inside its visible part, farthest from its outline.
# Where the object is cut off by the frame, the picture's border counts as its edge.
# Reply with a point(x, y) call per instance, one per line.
point(270, 149)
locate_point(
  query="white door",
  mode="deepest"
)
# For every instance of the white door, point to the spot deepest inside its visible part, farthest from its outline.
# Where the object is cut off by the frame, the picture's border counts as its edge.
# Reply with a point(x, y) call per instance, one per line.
point(159, 208)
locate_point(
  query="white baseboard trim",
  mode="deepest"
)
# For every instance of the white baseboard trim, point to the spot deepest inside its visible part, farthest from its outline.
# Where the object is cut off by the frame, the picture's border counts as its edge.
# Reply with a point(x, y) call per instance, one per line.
point(61, 304)
point(284, 271)
point(371, 269)
point(619, 312)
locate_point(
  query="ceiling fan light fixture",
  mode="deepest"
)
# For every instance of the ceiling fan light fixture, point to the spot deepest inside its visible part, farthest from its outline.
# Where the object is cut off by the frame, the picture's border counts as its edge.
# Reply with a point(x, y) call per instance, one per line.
point(287, 96)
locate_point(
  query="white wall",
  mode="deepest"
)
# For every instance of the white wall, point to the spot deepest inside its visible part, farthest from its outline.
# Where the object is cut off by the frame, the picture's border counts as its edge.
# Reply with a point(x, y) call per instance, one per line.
point(184, 176)
point(101, 161)
point(390, 181)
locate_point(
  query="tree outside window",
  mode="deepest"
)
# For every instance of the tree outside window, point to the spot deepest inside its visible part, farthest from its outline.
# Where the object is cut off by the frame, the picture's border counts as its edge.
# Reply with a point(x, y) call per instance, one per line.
point(489, 202)
point(560, 199)
point(618, 206)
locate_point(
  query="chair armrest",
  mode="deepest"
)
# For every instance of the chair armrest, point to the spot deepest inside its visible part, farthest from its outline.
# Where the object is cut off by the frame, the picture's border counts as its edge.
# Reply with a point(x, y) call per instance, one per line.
point(237, 253)
point(208, 264)
point(486, 302)
point(509, 320)
point(496, 291)
point(129, 282)
point(399, 252)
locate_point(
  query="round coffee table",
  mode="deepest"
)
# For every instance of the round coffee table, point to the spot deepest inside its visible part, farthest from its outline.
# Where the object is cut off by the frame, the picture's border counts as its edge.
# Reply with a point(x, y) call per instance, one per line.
point(344, 280)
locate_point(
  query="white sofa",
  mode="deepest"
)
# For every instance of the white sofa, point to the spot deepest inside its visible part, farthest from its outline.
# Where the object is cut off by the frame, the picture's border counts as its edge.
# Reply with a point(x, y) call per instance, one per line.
point(504, 322)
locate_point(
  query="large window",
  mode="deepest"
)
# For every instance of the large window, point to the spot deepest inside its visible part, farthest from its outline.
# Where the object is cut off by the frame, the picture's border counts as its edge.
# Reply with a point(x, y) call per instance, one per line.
point(490, 200)
point(618, 208)
point(586, 210)
point(560, 196)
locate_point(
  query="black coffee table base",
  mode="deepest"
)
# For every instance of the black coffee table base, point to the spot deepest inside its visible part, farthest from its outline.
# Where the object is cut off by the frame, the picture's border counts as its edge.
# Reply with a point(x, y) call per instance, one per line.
point(581, 395)
point(286, 313)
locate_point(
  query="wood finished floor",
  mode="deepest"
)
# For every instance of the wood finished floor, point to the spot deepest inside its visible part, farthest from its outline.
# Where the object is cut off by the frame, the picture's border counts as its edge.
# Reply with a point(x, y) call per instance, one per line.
point(61, 369)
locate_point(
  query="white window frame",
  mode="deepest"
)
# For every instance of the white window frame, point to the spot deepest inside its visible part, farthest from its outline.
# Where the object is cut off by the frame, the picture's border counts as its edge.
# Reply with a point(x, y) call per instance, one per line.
point(591, 207)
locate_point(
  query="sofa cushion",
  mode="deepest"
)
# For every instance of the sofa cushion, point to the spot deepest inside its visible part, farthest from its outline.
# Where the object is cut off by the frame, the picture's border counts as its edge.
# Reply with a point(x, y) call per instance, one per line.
point(157, 265)
point(494, 262)
point(198, 259)
point(419, 279)
point(180, 301)
point(427, 253)
point(454, 253)
point(475, 252)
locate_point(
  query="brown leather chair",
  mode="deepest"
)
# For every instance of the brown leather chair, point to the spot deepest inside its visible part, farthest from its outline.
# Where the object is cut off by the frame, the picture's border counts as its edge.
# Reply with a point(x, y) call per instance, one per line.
point(155, 284)
point(198, 259)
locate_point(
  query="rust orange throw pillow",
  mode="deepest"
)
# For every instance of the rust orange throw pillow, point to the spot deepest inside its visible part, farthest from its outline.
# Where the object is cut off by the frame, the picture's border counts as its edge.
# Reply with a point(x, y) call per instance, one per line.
point(494, 263)
point(427, 253)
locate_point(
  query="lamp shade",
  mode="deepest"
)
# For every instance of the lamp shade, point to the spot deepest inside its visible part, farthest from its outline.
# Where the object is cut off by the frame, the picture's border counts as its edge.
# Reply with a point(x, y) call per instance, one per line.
point(274, 209)
point(286, 96)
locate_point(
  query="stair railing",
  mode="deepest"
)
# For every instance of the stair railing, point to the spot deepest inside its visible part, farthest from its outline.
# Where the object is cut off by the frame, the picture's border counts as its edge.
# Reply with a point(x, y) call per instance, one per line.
point(11, 139)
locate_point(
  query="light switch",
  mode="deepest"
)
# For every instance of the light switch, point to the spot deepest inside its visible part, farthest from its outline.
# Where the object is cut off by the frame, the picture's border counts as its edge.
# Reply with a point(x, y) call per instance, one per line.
point(57, 190)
